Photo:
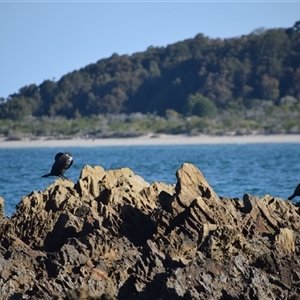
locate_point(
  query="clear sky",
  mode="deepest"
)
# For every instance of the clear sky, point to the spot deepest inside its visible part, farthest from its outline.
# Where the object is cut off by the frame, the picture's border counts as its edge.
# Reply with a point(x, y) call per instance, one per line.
point(45, 40)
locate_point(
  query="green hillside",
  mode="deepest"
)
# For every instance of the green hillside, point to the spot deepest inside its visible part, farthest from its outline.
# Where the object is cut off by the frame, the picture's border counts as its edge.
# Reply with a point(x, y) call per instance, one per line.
point(200, 77)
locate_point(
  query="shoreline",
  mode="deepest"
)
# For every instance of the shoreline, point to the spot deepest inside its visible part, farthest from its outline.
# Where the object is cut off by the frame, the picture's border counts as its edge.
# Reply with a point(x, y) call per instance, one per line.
point(152, 140)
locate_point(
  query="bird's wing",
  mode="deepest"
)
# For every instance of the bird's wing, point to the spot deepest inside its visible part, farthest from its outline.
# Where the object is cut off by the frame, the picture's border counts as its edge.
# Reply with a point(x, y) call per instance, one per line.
point(71, 163)
point(56, 168)
point(64, 161)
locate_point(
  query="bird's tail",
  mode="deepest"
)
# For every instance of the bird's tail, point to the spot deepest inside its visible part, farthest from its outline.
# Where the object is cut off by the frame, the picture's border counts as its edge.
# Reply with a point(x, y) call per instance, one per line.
point(291, 197)
point(47, 175)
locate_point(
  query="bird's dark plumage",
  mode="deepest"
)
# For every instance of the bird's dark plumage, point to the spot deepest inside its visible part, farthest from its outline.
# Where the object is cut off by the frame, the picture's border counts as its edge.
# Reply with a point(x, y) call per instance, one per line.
point(63, 161)
point(296, 192)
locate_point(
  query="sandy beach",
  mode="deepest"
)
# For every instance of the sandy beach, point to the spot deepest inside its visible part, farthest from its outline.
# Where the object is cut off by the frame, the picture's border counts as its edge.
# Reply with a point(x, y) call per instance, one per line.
point(152, 140)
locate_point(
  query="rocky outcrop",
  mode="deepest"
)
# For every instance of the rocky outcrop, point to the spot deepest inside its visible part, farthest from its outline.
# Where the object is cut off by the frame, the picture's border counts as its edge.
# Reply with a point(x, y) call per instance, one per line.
point(113, 235)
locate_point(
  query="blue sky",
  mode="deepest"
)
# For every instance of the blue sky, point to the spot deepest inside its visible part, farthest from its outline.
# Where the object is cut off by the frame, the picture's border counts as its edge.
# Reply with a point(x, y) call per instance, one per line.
point(46, 40)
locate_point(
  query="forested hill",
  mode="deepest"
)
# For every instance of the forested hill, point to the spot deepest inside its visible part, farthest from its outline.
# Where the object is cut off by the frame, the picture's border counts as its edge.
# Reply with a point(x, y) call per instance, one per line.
point(264, 65)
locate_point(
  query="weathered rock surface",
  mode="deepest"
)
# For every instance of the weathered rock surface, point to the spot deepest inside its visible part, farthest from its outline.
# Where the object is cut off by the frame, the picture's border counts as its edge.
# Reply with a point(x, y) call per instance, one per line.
point(114, 236)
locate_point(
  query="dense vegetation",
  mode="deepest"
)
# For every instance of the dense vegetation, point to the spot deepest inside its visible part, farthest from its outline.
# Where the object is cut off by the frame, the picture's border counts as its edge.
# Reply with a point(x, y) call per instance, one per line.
point(253, 79)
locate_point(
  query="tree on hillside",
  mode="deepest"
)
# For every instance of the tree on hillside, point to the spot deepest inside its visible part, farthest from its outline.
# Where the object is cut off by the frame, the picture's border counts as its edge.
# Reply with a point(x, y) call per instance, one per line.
point(200, 106)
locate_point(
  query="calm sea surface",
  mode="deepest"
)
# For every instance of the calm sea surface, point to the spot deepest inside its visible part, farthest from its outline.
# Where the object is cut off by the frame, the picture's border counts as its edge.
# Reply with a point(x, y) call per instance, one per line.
point(232, 170)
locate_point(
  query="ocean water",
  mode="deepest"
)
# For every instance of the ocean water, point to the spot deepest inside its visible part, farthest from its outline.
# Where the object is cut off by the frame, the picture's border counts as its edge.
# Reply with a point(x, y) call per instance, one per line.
point(232, 170)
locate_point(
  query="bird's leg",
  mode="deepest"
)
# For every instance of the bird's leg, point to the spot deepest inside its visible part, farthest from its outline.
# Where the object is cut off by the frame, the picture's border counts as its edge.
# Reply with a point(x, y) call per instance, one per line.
point(62, 177)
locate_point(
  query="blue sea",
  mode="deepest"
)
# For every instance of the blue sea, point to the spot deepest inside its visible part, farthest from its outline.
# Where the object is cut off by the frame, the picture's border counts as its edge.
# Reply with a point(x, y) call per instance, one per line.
point(232, 170)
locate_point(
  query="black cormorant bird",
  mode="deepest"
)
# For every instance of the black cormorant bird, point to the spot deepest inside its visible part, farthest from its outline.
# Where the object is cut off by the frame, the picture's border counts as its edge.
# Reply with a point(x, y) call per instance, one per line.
point(296, 192)
point(63, 161)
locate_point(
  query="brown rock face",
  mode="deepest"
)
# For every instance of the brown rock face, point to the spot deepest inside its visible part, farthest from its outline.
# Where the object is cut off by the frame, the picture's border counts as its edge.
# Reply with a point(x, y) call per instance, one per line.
point(114, 236)
point(1, 207)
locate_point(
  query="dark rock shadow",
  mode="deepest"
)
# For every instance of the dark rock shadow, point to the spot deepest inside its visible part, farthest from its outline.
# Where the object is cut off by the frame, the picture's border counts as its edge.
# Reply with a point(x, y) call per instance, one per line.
point(16, 296)
point(165, 200)
point(156, 289)
point(135, 225)
point(58, 236)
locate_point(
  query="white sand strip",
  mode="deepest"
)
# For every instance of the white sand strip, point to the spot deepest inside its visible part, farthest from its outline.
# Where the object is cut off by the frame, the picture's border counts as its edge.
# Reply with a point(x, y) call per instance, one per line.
point(152, 140)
